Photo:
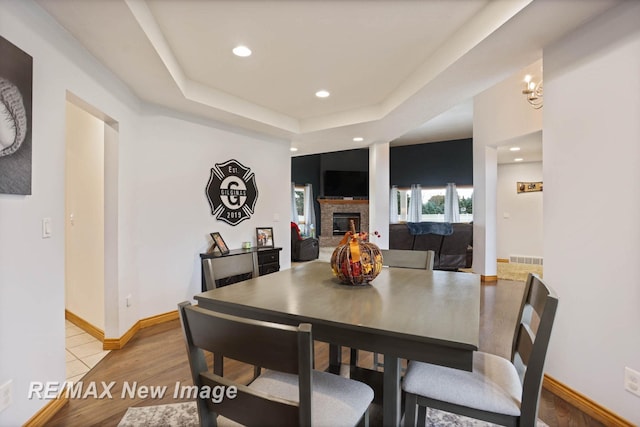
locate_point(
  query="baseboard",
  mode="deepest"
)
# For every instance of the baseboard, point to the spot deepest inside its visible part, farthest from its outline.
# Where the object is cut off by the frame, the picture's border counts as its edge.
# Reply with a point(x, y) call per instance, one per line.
point(484, 278)
point(159, 318)
point(506, 260)
point(94, 331)
point(583, 403)
point(42, 417)
point(119, 343)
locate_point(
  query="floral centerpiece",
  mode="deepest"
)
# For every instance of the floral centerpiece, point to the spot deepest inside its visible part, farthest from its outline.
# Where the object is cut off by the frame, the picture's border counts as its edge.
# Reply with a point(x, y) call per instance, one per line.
point(356, 261)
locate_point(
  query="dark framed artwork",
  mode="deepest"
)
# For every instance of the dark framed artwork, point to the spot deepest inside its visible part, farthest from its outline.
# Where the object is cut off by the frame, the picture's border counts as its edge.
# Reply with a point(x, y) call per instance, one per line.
point(219, 242)
point(264, 237)
point(16, 87)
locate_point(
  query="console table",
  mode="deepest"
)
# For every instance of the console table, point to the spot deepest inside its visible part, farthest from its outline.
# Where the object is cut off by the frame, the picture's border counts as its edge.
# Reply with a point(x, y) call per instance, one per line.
point(265, 261)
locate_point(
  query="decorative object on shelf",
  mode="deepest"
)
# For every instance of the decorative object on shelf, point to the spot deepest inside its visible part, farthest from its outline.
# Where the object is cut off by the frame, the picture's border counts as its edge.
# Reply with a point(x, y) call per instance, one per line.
point(533, 91)
point(218, 242)
point(356, 261)
point(16, 86)
point(246, 245)
point(264, 237)
point(528, 187)
point(232, 192)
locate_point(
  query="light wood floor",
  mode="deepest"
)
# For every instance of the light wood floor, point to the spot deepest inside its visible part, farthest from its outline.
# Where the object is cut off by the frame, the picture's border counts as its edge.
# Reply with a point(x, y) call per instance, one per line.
point(156, 356)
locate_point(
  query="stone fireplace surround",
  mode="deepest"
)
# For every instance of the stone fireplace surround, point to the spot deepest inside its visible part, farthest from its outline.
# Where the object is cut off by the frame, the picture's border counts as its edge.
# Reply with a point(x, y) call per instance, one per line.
point(330, 206)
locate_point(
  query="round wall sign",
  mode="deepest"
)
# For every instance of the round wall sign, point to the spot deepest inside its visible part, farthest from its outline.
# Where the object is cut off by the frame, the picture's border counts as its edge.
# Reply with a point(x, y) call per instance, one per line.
point(232, 192)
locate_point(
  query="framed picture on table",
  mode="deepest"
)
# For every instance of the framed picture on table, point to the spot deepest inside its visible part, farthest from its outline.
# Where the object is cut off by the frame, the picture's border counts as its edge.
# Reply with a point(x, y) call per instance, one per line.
point(219, 242)
point(264, 237)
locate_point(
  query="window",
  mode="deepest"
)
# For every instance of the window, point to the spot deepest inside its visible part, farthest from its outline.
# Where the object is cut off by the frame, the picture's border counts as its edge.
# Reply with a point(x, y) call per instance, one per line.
point(299, 195)
point(433, 204)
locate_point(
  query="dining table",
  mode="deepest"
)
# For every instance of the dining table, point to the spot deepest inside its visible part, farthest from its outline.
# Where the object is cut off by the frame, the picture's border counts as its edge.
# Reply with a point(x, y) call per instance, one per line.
point(415, 314)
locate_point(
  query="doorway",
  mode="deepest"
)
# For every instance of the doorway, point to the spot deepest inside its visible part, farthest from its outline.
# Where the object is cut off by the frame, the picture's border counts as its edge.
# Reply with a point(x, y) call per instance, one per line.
point(89, 184)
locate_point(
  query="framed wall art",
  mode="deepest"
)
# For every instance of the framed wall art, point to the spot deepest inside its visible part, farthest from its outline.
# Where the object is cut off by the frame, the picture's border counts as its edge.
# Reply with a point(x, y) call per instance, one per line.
point(16, 86)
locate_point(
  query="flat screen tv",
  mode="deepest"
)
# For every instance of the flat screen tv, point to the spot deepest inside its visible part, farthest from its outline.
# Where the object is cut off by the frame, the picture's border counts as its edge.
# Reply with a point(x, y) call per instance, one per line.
point(346, 183)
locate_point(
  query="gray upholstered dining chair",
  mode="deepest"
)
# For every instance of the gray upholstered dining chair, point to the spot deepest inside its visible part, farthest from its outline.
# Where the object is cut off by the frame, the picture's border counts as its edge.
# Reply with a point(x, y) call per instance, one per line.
point(408, 258)
point(400, 258)
point(288, 392)
point(497, 390)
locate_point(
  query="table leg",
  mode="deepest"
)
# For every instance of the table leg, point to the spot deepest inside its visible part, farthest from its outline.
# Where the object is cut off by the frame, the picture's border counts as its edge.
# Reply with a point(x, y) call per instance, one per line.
point(391, 391)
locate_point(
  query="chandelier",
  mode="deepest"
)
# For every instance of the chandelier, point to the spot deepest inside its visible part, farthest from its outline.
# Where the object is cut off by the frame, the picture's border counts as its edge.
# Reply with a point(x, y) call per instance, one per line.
point(533, 91)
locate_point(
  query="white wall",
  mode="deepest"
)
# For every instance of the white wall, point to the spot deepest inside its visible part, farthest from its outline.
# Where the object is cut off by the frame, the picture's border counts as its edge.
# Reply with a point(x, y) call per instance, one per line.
point(499, 114)
point(591, 156)
point(519, 215)
point(160, 167)
point(172, 215)
point(84, 235)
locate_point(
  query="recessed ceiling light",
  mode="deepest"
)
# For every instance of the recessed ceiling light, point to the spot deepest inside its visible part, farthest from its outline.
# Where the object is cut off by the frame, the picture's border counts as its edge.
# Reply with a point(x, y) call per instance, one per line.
point(242, 51)
point(519, 159)
point(514, 149)
point(322, 94)
point(358, 139)
point(293, 149)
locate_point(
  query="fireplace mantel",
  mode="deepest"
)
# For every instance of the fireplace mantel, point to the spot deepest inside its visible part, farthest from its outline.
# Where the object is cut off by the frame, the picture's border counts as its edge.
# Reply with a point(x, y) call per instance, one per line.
point(343, 201)
point(330, 206)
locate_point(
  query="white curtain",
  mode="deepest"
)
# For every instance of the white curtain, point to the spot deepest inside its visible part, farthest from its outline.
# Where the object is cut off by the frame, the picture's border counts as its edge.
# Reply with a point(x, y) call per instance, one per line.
point(309, 212)
point(451, 204)
point(294, 210)
point(415, 204)
point(393, 205)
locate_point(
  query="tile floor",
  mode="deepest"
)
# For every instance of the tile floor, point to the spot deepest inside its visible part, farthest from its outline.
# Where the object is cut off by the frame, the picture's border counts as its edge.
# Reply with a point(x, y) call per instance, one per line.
point(83, 351)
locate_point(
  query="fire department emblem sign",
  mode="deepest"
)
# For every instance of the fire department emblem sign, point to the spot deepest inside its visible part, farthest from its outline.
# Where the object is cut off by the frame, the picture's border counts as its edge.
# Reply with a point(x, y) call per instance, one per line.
point(232, 192)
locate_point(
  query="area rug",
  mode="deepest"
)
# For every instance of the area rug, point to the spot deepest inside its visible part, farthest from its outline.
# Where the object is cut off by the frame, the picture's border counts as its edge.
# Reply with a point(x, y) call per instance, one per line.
point(186, 415)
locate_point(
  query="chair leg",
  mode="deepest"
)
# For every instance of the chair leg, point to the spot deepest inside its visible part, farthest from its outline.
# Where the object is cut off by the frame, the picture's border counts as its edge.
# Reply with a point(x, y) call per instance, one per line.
point(422, 416)
point(410, 403)
point(376, 361)
point(353, 357)
point(364, 421)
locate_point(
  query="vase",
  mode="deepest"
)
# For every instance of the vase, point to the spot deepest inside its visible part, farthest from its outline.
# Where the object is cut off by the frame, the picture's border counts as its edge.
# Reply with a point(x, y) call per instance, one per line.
point(355, 261)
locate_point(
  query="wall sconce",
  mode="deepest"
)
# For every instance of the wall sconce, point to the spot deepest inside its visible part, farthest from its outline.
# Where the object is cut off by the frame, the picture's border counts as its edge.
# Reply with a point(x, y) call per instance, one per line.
point(533, 91)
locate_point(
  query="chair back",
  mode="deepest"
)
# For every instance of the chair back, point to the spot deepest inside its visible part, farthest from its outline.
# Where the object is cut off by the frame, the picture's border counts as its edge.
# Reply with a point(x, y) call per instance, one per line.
point(226, 266)
point(408, 258)
point(273, 346)
point(537, 314)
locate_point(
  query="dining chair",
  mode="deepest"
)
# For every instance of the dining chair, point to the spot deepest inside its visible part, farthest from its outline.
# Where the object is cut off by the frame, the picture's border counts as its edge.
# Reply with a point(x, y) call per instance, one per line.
point(497, 390)
point(399, 258)
point(227, 266)
point(408, 258)
point(288, 392)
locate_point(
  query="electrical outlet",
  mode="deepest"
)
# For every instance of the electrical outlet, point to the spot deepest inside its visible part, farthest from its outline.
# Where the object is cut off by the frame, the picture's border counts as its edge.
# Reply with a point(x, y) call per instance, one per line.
point(632, 381)
point(5, 395)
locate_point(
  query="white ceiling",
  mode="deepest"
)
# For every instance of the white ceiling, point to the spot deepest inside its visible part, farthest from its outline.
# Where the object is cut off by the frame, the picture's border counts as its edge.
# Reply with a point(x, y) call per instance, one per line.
point(399, 71)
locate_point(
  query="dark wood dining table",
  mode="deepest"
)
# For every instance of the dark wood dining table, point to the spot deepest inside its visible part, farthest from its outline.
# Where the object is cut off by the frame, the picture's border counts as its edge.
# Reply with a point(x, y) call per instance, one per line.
point(430, 316)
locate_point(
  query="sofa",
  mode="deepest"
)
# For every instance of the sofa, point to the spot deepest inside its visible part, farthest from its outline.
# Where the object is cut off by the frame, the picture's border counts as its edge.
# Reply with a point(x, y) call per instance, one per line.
point(303, 249)
point(451, 242)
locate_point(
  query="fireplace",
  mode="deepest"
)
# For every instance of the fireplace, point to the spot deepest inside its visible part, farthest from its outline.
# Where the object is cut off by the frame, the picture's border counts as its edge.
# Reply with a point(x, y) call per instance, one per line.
point(344, 209)
point(342, 222)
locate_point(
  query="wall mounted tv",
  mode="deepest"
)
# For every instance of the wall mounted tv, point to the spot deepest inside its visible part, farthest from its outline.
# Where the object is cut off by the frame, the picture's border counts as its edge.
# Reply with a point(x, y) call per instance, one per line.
point(346, 183)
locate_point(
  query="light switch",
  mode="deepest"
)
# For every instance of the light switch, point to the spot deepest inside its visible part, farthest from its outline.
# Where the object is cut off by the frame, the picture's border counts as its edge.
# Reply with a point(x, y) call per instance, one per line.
point(46, 228)
point(506, 215)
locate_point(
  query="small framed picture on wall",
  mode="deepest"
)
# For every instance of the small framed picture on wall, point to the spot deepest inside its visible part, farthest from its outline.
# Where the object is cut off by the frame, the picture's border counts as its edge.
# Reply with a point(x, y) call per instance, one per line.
point(264, 237)
point(219, 242)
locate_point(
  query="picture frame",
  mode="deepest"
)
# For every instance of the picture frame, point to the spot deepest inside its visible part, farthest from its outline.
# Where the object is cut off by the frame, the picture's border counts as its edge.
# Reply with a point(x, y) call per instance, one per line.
point(264, 237)
point(218, 241)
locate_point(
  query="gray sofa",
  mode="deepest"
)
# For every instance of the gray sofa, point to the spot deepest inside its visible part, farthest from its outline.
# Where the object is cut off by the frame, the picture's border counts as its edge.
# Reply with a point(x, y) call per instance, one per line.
point(452, 251)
